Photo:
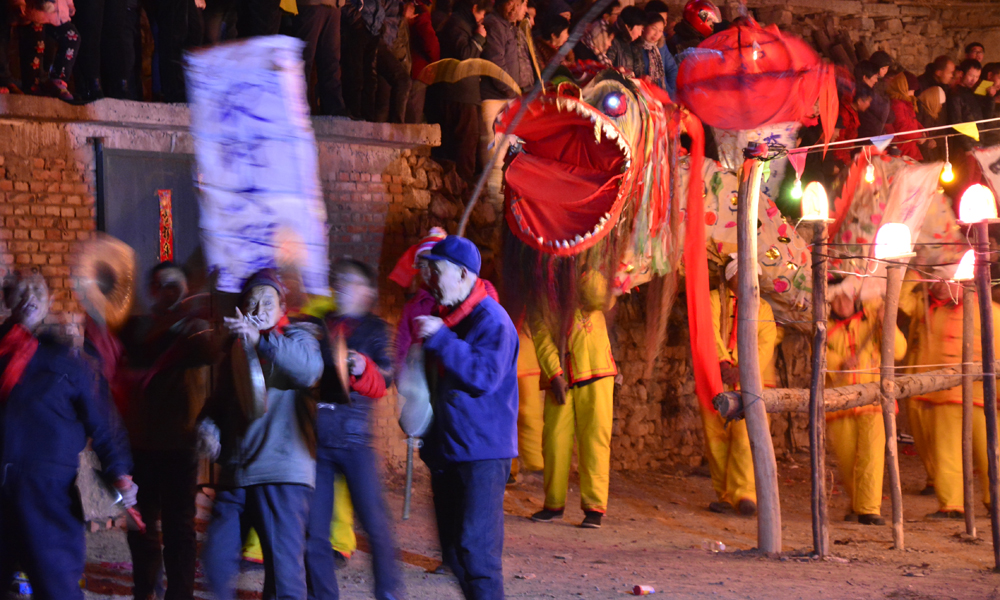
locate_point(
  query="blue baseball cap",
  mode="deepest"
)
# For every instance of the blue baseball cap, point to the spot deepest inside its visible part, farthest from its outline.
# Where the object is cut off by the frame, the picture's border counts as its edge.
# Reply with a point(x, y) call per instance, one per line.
point(459, 251)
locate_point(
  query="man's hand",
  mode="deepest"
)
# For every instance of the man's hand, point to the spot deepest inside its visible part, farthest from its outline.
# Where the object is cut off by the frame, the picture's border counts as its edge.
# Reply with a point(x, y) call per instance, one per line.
point(481, 29)
point(558, 390)
point(128, 489)
point(208, 444)
point(243, 326)
point(730, 373)
point(850, 363)
point(428, 326)
point(357, 363)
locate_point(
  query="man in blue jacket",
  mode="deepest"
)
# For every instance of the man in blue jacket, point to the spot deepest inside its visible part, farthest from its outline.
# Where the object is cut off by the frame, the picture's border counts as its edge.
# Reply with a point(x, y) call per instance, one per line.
point(49, 406)
point(471, 349)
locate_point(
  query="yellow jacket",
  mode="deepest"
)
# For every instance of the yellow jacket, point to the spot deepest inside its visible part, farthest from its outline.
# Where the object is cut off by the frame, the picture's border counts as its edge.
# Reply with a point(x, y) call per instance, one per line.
point(767, 332)
point(860, 336)
point(588, 349)
point(527, 360)
point(770, 370)
point(944, 333)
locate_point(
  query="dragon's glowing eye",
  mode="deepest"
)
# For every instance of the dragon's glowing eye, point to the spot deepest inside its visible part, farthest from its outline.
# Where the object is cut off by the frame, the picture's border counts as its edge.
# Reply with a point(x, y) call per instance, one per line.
point(614, 104)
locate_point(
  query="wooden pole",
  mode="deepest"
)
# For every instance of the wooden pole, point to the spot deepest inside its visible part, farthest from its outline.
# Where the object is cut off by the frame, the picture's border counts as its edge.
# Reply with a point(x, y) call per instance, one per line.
point(894, 277)
point(968, 335)
point(989, 378)
point(817, 407)
point(748, 298)
point(782, 400)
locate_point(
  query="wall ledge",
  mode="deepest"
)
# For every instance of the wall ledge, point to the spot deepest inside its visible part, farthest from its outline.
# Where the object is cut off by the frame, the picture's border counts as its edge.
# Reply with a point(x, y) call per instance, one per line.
point(176, 117)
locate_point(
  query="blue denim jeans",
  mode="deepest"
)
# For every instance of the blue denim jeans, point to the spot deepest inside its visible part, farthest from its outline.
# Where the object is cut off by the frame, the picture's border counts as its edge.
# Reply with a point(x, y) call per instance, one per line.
point(278, 513)
point(468, 501)
point(358, 464)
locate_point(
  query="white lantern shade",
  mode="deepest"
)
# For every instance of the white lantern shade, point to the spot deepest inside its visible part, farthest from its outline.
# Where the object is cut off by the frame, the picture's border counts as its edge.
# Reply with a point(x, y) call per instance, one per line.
point(978, 204)
point(815, 203)
point(893, 240)
point(966, 267)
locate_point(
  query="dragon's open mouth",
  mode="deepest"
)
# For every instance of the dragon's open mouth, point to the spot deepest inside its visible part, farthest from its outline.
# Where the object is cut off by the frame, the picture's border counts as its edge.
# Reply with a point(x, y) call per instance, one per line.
point(563, 184)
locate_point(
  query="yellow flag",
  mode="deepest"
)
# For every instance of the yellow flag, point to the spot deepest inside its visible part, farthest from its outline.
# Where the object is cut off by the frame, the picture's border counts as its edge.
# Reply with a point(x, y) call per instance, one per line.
point(969, 129)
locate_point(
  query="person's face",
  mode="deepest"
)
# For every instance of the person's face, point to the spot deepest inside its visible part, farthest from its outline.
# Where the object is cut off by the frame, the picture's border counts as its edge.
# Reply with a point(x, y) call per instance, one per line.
point(652, 33)
point(612, 17)
point(531, 11)
point(970, 78)
point(976, 53)
point(883, 71)
point(447, 282)
point(264, 305)
point(167, 289)
point(479, 14)
point(29, 301)
point(424, 266)
point(558, 40)
point(944, 77)
point(353, 294)
point(945, 290)
point(634, 32)
point(870, 81)
point(842, 306)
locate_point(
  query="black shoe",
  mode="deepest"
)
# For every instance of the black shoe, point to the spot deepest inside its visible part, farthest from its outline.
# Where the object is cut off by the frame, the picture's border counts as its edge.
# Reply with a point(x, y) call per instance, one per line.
point(511, 479)
point(546, 516)
point(927, 491)
point(723, 508)
point(851, 517)
point(592, 520)
point(943, 515)
point(89, 91)
point(871, 520)
point(339, 560)
point(747, 508)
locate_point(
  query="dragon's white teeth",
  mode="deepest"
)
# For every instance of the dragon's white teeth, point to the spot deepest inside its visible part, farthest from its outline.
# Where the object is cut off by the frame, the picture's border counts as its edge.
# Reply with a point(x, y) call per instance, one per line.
point(588, 235)
point(577, 240)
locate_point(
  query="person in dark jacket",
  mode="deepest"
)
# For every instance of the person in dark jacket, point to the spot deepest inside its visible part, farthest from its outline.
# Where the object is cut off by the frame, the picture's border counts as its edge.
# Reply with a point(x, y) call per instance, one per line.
point(964, 105)
point(318, 25)
point(167, 352)
point(344, 437)
point(462, 36)
point(473, 345)
point(424, 50)
point(507, 47)
point(267, 467)
point(624, 53)
point(49, 406)
point(873, 120)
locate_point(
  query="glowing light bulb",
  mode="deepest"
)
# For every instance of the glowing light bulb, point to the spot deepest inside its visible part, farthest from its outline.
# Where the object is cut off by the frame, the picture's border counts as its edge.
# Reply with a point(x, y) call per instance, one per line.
point(756, 50)
point(797, 189)
point(977, 204)
point(966, 268)
point(893, 240)
point(815, 203)
point(870, 173)
point(947, 175)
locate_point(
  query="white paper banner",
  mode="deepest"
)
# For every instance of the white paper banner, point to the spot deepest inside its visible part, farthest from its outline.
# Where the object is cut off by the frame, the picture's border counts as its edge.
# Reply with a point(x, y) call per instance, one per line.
point(260, 196)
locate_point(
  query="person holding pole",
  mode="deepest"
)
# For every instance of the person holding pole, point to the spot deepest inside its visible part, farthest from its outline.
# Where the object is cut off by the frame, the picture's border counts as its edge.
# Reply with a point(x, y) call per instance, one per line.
point(945, 328)
point(857, 434)
point(728, 445)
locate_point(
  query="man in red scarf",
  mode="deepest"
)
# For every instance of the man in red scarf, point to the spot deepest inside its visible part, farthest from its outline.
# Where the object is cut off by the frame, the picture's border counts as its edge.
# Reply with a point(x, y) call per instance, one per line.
point(471, 347)
point(49, 406)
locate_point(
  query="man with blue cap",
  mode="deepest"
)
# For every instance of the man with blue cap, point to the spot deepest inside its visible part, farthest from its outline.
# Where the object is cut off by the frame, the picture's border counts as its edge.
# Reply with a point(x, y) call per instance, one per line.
point(471, 348)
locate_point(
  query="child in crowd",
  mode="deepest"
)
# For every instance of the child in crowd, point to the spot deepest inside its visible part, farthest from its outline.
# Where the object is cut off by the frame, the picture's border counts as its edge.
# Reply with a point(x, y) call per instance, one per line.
point(37, 19)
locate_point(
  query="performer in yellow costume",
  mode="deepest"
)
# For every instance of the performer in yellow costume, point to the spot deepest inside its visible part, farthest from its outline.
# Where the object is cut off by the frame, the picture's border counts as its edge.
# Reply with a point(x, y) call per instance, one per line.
point(728, 446)
point(914, 302)
point(530, 409)
point(945, 333)
point(854, 344)
point(580, 402)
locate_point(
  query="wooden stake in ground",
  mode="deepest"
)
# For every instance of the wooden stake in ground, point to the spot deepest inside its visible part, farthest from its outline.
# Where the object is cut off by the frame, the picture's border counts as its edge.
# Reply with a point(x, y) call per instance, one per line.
point(817, 407)
point(968, 335)
point(989, 377)
point(894, 276)
point(748, 297)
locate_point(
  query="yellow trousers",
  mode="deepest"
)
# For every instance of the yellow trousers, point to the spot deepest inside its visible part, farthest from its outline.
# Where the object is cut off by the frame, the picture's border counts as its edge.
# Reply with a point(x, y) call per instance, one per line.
point(530, 423)
point(859, 443)
point(587, 414)
point(921, 416)
point(948, 454)
point(341, 528)
point(729, 458)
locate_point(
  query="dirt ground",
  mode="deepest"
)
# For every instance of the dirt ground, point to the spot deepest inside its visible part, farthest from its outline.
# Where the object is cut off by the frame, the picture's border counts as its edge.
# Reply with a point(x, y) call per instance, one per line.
point(655, 534)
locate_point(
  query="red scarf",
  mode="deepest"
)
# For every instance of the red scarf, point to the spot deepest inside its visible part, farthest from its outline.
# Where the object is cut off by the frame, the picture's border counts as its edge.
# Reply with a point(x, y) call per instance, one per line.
point(279, 327)
point(19, 345)
point(454, 316)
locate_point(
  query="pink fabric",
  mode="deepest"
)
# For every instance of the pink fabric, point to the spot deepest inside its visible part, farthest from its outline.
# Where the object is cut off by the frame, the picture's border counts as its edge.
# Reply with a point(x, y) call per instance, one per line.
point(24, 14)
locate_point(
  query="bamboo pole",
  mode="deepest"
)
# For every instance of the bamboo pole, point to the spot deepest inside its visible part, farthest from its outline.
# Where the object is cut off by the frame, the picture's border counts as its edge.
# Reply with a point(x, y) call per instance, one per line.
point(780, 400)
point(817, 408)
point(968, 335)
point(894, 276)
point(989, 378)
point(748, 298)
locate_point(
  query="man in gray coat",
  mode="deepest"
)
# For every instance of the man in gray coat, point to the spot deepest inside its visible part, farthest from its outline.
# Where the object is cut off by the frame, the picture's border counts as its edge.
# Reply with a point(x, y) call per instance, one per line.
point(268, 469)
